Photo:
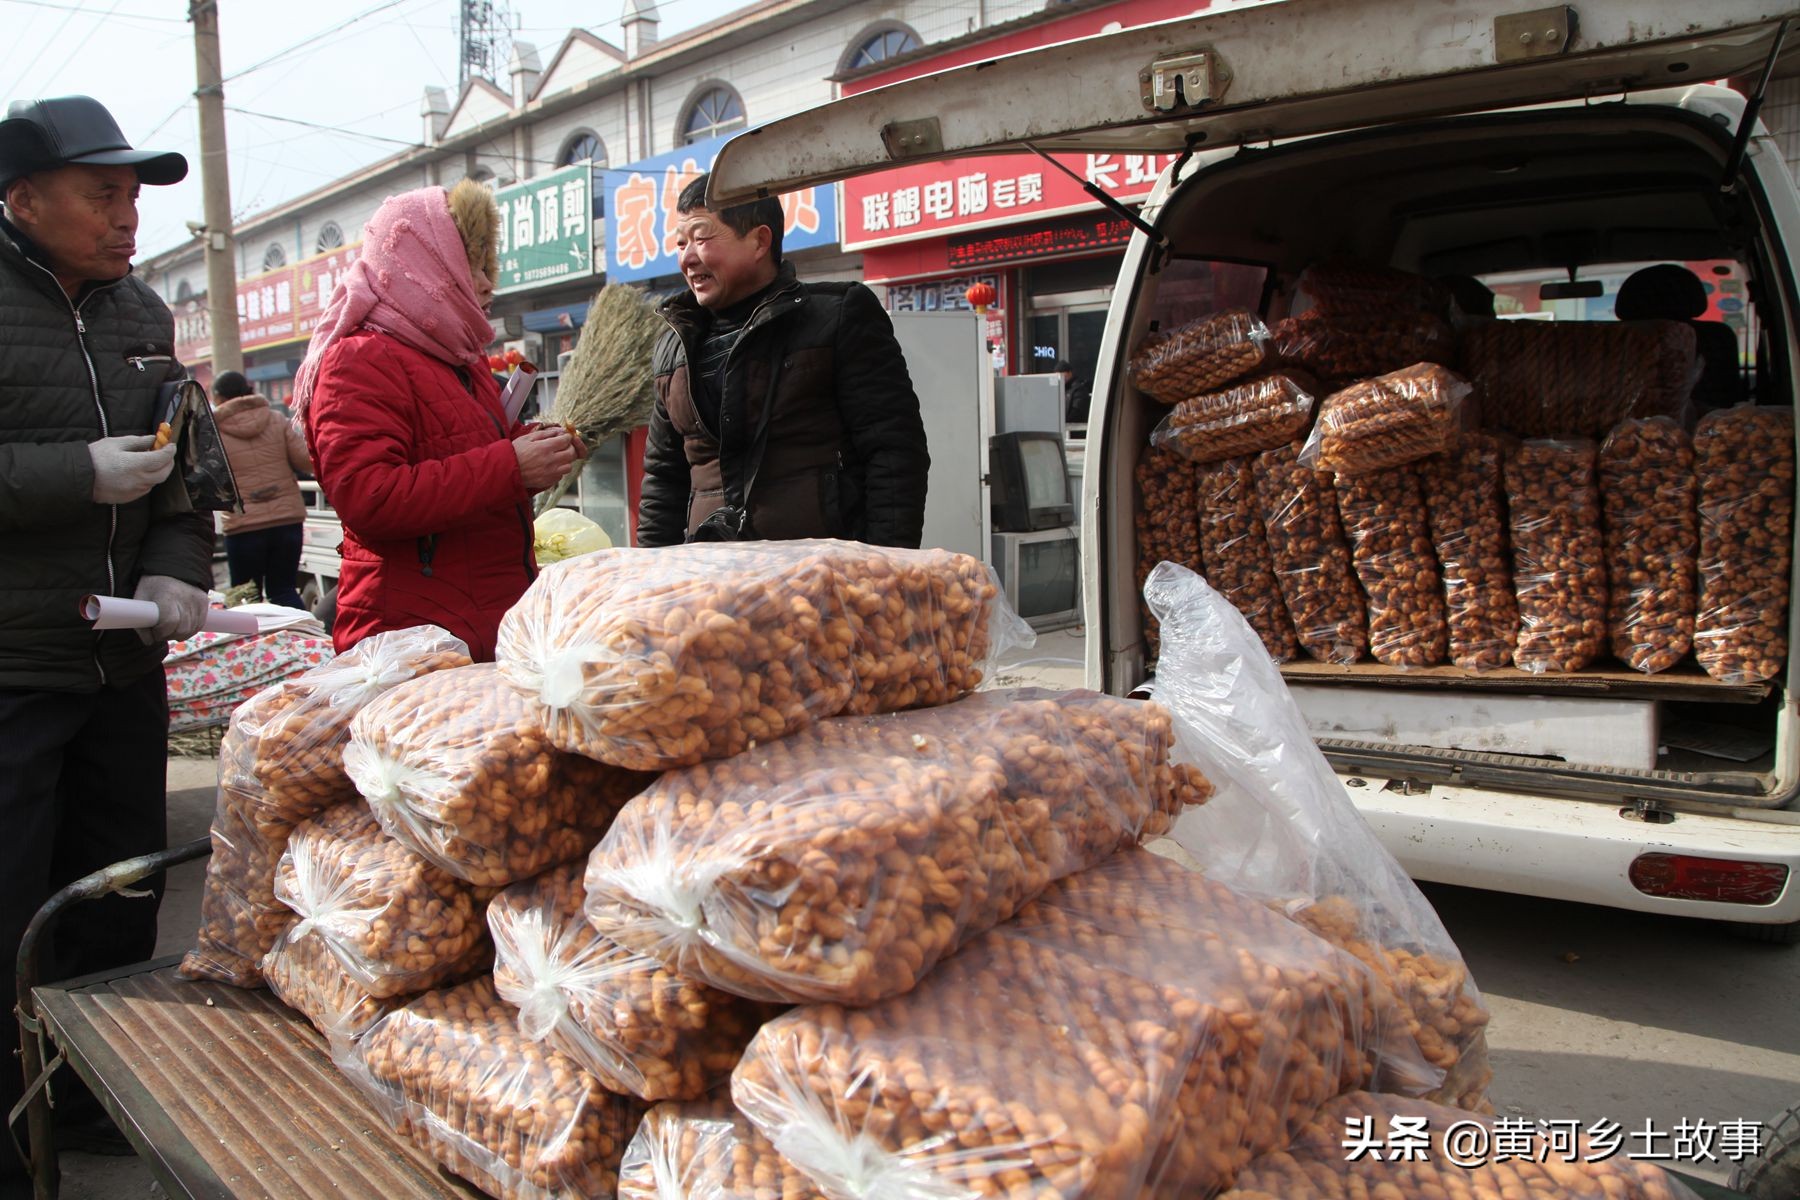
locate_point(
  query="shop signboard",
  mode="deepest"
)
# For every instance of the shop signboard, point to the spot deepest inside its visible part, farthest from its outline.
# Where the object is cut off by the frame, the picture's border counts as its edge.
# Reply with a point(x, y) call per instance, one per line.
point(265, 308)
point(193, 330)
point(315, 280)
point(546, 230)
point(966, 194)
point(641, 217)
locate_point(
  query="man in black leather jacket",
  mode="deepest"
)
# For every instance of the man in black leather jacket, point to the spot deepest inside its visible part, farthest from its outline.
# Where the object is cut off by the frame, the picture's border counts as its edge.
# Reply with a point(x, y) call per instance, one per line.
point(787, 401)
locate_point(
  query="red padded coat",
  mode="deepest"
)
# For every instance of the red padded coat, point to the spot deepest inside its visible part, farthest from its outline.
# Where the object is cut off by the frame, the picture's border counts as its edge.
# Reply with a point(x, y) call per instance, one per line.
point(417, 458)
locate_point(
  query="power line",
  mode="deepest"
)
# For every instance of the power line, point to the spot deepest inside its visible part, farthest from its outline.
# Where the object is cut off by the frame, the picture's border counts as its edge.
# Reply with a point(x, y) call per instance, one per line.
point(374, 137)
point(76, 8)
point(303, 43)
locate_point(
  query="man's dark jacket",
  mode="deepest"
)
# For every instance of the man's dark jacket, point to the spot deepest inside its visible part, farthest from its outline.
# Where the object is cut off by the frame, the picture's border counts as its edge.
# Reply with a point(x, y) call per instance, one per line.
point(72, 372)
point(845, 453)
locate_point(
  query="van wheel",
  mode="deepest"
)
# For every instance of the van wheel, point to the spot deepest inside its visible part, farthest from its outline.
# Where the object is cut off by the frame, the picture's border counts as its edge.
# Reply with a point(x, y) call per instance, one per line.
point(310, 593)
point(1780, 935)
point(1775, 1173)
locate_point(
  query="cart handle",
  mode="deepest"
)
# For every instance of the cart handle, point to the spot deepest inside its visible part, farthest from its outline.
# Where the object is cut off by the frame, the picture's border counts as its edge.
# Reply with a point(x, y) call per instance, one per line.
point(120, 877)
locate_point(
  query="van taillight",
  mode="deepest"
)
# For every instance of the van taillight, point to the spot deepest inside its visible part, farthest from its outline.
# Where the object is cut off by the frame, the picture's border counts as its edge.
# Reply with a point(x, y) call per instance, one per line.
point(1726, 880)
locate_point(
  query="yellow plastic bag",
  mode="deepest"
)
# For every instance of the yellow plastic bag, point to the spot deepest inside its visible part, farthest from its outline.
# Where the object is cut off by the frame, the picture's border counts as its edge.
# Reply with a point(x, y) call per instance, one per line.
point(564, 533)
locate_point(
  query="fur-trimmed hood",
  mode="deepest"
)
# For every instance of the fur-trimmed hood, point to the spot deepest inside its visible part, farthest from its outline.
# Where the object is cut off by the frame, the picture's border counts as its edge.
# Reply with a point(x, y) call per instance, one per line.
point(477, 219)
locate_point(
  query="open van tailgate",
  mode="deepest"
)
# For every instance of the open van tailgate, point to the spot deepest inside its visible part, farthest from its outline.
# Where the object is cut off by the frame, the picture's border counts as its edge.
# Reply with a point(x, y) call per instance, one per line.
point(1259, 72)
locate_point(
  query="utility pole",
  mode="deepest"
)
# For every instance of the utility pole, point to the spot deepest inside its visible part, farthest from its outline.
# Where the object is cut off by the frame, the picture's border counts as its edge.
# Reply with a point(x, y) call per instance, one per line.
point(215, 183)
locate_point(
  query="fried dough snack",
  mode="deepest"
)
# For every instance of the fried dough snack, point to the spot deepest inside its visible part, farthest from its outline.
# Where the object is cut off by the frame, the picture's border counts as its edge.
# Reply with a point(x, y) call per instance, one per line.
point(457, 767)
point(842, 863)
point(639, 1027)
point(650, 659)
point(513, 1116)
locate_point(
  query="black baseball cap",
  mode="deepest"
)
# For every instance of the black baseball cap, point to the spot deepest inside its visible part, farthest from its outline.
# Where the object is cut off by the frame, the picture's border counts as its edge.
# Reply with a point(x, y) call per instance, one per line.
point(39, 135)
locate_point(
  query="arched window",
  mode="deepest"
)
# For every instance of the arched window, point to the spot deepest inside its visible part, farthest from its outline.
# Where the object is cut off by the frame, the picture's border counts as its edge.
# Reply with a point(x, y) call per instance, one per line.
point(274, 257)
point(715, 110)
point(880, 44)
point(184, 291)
point(331, 237)
point(584, 145)
point(482, 175)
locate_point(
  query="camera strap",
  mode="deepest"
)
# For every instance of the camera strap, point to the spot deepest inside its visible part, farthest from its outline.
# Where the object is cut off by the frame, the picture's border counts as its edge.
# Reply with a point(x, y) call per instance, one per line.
point(739, 495)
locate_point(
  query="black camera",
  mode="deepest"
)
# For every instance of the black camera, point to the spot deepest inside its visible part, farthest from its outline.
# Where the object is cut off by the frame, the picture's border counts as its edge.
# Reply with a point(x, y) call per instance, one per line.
point(728, 524)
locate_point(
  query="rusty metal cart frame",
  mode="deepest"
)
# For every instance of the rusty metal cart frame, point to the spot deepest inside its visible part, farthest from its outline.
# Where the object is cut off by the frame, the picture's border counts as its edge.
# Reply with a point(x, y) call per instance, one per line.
point(223, 1092)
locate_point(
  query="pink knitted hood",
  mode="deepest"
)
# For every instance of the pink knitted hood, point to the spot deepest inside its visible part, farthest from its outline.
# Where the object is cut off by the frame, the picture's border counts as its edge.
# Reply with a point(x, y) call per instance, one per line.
point(411, 281)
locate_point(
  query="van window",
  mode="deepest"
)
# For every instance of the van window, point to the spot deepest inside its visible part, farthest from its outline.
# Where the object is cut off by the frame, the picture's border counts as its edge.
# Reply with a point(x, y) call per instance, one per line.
point(1713, 296)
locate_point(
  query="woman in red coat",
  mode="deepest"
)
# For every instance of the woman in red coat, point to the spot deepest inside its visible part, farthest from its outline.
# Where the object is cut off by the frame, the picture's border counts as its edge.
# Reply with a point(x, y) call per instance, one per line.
point(408, 438)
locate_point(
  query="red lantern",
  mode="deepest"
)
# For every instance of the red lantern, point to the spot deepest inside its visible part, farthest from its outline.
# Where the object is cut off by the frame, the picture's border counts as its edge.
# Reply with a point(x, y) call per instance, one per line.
point(496, 362)
point(514, 358)
point(980, 296)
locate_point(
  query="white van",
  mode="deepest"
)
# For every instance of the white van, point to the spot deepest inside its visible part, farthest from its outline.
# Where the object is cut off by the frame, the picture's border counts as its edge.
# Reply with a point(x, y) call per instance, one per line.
point(1448, 137)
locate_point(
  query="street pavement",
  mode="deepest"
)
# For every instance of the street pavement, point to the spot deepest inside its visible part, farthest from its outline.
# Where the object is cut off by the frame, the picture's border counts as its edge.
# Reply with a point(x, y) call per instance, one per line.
point(1598, 1015)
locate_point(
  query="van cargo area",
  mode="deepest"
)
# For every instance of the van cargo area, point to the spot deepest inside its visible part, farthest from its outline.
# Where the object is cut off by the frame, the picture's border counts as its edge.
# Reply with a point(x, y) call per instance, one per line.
point(1556, 191)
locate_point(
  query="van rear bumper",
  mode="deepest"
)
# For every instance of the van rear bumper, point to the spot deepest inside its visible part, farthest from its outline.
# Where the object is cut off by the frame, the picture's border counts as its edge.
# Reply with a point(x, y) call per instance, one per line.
point(1572, 849)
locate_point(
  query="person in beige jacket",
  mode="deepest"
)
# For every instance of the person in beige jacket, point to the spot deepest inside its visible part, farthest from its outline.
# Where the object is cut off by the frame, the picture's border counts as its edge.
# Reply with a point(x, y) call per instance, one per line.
point(262, 543)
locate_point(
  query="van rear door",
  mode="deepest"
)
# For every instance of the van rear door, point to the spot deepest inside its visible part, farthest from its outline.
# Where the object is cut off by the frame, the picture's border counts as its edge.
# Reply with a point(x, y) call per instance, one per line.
point(1256, 73)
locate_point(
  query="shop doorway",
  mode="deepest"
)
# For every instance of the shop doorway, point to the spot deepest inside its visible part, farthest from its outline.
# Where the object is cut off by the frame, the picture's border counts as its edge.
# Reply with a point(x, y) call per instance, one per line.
point(1067, 327)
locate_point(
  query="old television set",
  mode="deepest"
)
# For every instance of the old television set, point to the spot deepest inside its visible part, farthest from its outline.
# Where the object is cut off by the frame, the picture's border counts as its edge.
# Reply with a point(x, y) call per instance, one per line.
point(1040, 571)
point(1030, 481)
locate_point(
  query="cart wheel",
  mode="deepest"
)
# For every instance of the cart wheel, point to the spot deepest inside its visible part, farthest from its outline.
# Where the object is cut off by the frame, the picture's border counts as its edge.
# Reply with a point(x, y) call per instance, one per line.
point(1775, 1173)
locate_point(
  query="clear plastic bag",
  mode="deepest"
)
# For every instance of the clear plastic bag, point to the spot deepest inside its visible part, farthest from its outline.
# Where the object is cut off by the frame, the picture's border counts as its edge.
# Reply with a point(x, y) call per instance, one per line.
point(1744, 465)
point(305, 976)
point(1387, 422)
point(1245, 418)
point(1201, 356)
point(1138, 1030)
point(841, 863)
point(707, 1150)
point(457, 767)
point(1168, 520)
point(281, 762)
point(1236, 551)
point(1281, 828)
point(1652, 531)
point(1341, 347)
point(1422, 1149)
point(520, 1121)
point(1465, 500)
point(303, 730)
point(240, 919)
point(1312, 559)
point(640, 1028)
point(1559, 555)
point(396, 923)
point(1390, 542)
point(1573, 379)
point(649, 659)
point(1345, 287)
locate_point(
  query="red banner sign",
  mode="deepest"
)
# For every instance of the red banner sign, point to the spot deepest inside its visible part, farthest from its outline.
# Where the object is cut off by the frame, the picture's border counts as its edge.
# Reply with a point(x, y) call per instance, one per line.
point(933, 199)
point(314, 282)
point(1077, 235)
point(265, 308)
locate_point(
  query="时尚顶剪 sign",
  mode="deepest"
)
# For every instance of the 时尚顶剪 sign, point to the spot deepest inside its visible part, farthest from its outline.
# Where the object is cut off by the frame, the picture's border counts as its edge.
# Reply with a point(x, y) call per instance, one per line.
point(546, 229)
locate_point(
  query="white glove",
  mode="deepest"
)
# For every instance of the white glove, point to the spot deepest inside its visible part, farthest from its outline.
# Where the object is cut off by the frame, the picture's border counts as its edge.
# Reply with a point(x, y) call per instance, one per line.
point(126, 467)
point(181, 607)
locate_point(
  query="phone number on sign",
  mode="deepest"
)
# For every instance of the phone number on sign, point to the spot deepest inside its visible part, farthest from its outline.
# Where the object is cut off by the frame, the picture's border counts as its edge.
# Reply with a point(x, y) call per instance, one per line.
point(1477, 1142)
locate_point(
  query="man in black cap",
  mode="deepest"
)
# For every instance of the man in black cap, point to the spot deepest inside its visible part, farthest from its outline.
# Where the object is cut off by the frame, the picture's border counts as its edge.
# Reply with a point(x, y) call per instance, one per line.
point(84, 716)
